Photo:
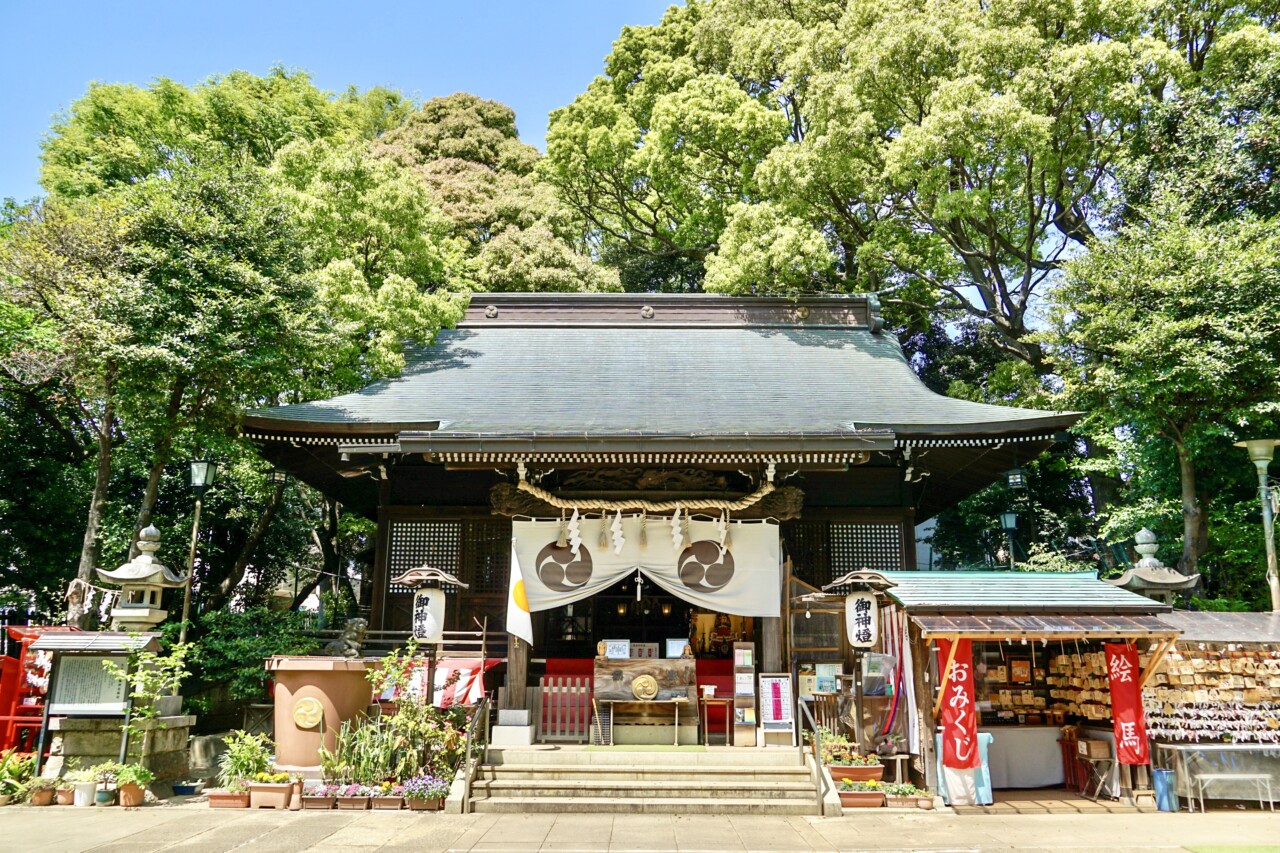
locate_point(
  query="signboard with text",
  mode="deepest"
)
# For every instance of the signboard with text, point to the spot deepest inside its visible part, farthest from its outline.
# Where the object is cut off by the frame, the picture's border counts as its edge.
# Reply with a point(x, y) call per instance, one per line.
point(81, 686)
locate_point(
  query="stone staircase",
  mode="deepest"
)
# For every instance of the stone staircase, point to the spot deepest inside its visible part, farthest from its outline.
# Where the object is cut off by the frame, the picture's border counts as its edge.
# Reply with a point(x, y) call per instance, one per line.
point(722, 780)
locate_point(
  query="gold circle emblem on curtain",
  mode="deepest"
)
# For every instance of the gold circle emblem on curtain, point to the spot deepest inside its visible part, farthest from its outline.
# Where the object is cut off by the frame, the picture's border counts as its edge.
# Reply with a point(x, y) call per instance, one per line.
point(307, 713)
point(644, 687)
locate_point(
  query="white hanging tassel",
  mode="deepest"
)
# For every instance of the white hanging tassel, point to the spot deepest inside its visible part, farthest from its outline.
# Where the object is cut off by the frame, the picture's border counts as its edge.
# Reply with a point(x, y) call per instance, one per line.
point(560, 540)
point(644, 534)
point(722, 532)
point(603, 539)
point(575, 534)
point(639, 584)
point(677, 535)
point(685, 536)
point(727, 542)
point(616, 527)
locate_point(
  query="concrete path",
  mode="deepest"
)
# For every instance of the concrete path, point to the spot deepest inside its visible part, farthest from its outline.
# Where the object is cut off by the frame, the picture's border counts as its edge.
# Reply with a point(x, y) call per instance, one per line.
point(191, 829)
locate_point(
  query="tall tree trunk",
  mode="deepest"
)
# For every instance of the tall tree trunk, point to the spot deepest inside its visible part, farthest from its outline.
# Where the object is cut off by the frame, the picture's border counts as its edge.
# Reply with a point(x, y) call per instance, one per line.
point(1190, 510)
point(160, 456)
point(228, 585)
point(77, 614)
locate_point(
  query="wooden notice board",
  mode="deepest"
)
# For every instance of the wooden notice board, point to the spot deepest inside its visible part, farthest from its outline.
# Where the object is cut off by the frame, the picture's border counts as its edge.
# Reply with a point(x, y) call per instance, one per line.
point(82, 686)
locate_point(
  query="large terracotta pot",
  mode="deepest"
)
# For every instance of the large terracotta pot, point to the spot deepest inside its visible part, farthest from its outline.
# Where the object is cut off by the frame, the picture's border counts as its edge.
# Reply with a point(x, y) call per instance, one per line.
point(857, 774)
point(66, 796)
point(43, 798)
point(339, 686)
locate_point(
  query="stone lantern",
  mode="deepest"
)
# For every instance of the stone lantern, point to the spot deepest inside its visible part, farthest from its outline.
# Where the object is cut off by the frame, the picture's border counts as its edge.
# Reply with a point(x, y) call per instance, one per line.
point(1149, 576)
point(142, 582)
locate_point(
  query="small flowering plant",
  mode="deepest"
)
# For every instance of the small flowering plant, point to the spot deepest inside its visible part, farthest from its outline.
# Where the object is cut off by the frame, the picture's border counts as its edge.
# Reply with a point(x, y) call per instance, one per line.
point(354, 791)
point(320, 790)
point(902, 789)
point(426, 787)
point(866, 785)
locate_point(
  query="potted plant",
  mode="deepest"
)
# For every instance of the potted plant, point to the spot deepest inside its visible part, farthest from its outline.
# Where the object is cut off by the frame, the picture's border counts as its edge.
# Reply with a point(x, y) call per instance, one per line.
point(40, 791)
point(901, 795)
point(862, 794)
point(426, 793)
point(131, 782)
point(319, 796)
point(15, 769)
point(354, 797)
point(843, 761)
point(83, 785)
point(270, 791)
point(924, 799)
point(246, 756)
point(104, 777)
point(65, 794)
point(388, 797)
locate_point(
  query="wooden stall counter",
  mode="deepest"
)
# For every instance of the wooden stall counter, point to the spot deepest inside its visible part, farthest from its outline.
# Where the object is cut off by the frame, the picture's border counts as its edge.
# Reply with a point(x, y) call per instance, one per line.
point(643, 700)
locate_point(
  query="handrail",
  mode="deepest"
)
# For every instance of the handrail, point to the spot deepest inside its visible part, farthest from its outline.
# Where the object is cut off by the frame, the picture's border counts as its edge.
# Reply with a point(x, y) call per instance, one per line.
point(481, 712)
point(817, 751)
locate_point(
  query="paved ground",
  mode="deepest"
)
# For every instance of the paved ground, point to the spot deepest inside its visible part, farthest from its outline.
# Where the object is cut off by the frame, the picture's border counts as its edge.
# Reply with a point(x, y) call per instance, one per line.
point(201, 830)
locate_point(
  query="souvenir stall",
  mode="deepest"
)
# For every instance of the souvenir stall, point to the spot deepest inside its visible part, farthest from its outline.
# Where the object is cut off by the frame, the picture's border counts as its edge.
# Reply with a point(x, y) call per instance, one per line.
point(1213, 710)
point(996, 642)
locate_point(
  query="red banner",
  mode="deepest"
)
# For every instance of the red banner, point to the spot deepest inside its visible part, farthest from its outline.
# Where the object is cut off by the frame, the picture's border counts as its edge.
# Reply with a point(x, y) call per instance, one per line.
point(959, 721)
point(1123, 671)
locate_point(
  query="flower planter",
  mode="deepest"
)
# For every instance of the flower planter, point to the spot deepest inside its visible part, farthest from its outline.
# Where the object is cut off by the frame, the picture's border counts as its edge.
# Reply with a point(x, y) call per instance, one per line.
point(389, 804)
point(862, 799)
point(925, 803)
point(856, 773)
point(353, 803)
point(220, 799)
point(82, 795)
point(132, 795)
point(187, 789)
point(295, 799)
point(66, 796)
point(425, 805)
point(900, 802)
point(323, 803)
point(43, 798)
point(104, 798)
point(270, 795)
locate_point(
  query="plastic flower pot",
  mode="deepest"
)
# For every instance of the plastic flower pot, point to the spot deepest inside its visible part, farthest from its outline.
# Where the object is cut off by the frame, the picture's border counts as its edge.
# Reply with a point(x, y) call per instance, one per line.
point(425, 805)
point(907, 802)
point(132, 795)
point(310, 801)
point(388, 803)
point(270, 795)
point(83, 793)
point(865, 773)
point(359, 803)
point(862, 799)
point(66, 796)
point(222, 799)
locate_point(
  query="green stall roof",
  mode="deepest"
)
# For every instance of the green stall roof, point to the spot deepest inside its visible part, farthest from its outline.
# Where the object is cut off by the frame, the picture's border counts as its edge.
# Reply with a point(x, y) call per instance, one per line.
point(1014, 592)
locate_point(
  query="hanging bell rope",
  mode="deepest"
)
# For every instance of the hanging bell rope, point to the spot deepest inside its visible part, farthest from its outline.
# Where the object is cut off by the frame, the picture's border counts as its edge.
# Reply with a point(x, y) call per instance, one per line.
point(750, 500)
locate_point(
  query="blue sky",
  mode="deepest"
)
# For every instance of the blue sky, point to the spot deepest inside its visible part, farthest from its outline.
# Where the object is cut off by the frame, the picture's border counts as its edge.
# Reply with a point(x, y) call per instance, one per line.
point(534, 56)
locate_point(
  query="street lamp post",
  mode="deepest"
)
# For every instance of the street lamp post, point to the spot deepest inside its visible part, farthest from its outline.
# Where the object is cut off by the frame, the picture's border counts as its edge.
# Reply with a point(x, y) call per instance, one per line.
point(1009, 523)
point(1261, 452)
point(203, 472)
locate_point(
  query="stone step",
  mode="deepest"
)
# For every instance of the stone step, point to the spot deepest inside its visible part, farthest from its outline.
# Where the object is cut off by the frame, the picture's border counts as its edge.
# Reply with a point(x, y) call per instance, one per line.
point(646, 805)
point(647, 789)
point(677, 774)
point(716, 757)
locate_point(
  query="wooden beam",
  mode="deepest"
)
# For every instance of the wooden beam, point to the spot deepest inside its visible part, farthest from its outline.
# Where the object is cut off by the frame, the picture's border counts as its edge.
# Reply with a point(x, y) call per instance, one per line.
point(946, 671)
point(1157, 658)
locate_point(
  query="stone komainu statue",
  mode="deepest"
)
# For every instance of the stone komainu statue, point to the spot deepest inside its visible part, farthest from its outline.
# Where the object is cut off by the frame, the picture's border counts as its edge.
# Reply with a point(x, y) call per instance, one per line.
point(348, 644)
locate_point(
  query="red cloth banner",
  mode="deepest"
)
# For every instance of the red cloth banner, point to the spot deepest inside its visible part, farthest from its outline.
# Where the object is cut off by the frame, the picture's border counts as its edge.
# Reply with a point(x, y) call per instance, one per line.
point(1123, 671)
point(959, 721)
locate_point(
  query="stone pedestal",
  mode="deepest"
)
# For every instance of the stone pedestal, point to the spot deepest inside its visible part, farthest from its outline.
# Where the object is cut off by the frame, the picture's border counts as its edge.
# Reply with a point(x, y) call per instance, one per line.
point(86, 741)
point(343, 692)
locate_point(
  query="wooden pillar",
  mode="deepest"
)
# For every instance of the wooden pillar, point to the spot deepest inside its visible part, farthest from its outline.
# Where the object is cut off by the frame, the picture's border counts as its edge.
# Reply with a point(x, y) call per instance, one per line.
point(382, 544)
point(771, 634)
point(517, 672)
point(925, 686)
